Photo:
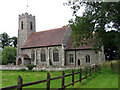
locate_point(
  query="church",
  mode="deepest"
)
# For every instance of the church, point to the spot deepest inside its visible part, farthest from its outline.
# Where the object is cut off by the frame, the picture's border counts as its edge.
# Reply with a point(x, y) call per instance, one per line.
point(51, 47)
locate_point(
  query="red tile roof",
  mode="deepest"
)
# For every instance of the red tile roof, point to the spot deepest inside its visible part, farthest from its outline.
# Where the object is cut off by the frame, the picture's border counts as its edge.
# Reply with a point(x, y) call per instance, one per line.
point(70, 45)
point(45, 38)
point(51, 38)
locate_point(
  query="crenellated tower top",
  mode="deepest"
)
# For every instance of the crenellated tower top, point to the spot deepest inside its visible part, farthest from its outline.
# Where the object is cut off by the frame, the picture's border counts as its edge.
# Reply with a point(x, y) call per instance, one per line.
point(26, 15)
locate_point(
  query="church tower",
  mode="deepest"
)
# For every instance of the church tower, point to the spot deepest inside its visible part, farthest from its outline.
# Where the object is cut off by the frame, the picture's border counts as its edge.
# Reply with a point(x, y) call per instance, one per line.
point(26, 26)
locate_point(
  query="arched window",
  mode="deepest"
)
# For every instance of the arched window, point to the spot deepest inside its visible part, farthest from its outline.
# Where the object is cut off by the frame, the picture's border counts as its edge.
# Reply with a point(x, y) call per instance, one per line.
point(87, 58)
point(43, 59)
point(55, 55)
point(31, 27)
point(32, 55)
point(71, 58)
point(21, 24)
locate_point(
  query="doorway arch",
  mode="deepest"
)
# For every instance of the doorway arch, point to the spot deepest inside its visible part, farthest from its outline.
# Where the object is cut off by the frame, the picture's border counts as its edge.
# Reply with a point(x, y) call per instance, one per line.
point(19, 61)
point(78, 62)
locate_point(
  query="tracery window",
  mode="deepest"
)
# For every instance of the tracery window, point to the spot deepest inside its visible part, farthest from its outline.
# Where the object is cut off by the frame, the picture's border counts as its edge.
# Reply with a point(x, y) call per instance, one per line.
point(71, 58)
point(43, 59)
point(87, 58)
point(55, 55)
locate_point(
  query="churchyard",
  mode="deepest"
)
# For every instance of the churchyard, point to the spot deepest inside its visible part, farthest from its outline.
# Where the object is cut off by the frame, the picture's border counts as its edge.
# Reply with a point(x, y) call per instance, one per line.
point(107, 78)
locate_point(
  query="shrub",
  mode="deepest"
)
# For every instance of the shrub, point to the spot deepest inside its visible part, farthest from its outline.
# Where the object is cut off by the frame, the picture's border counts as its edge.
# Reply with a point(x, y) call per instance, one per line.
point(30, 67)
point(22, 69)
point(9, 55)
point(106, 64)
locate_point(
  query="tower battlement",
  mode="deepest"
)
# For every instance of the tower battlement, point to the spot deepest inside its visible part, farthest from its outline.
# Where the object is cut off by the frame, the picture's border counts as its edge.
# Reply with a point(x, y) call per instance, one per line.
point(26, 15)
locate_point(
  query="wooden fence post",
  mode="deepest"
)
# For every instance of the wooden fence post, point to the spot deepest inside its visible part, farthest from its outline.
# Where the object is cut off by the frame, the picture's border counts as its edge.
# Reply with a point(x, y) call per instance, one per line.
point(63, 78)
point(72, 77)
point(48, 81)
point(93, 68)
point(96, 67)
point(99, 68)
point(80, 75)
point(90, 71)
point(86, 73)
point(19, 87)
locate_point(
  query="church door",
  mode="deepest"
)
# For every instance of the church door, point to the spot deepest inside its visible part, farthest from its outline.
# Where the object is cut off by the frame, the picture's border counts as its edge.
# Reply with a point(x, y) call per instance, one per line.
point(19, 61)
point(78, 62)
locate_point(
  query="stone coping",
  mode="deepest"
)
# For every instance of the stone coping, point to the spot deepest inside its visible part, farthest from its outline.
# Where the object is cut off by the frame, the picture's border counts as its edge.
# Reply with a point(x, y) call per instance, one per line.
point(38, 68)
point(11, 67)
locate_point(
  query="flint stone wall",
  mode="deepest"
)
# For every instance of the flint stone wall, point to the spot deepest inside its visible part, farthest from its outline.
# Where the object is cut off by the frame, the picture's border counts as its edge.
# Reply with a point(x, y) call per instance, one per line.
point(38, 68)
point(12, 67)
point(6, 67)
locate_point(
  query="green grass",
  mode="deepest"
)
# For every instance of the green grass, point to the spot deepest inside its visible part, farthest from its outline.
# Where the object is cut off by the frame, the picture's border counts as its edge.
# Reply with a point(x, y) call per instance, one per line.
point(9, 78)
point(106, 79)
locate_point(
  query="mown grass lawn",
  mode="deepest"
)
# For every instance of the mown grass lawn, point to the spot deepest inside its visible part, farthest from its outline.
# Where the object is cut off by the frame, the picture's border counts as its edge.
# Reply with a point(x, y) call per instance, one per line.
point(106, 79)
point(9, 78)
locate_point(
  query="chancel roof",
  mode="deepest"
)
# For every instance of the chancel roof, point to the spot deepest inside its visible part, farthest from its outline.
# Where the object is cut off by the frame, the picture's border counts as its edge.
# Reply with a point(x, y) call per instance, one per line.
point(70, 45)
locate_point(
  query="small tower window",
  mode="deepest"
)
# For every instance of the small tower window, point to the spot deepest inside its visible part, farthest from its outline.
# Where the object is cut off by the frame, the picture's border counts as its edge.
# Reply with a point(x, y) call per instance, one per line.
point(31, 27)
point(22, 25)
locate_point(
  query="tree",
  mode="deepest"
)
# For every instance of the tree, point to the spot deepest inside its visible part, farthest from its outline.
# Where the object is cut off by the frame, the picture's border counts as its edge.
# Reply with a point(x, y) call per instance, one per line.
point(14, 41)
point(9, 55)
point(98, 17)
point(5, 40)
point(112, 45)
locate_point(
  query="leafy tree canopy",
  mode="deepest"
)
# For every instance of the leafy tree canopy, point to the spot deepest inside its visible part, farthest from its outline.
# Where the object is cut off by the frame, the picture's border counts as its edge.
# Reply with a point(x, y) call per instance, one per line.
point(9, 55)
point(97, 18)
point(112, 45)
point(14, 41)
point(7, 41)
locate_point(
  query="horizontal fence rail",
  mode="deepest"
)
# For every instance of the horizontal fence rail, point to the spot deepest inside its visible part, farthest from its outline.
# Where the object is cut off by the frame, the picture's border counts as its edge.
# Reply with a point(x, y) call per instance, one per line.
point(91, 71)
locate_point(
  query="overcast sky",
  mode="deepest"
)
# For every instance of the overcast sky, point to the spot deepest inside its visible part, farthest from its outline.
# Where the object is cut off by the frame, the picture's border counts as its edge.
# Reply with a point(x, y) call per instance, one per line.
point(49, 14)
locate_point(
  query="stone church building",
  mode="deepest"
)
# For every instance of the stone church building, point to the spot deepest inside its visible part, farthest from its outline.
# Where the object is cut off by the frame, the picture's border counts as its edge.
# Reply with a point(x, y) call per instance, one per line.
point(51, 47)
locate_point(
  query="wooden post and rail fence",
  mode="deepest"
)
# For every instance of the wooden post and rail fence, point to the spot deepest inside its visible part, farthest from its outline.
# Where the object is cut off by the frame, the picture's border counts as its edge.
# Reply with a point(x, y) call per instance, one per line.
point(91, 71)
